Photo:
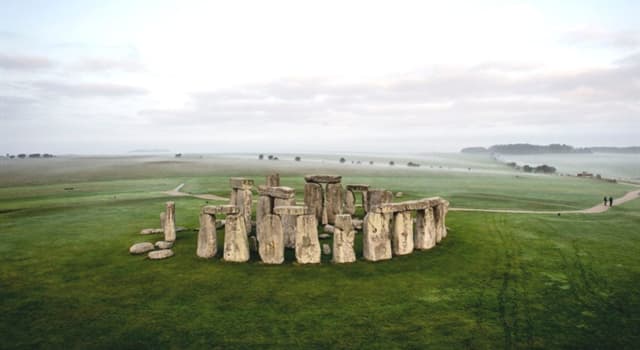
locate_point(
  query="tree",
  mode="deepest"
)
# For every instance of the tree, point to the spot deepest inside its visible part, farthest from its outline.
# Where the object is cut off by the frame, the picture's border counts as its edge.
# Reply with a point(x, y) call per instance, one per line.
point(22, 155)
point(298, 159)
point(178, 155)
point(342, 160)
point(270, 157)
point(261, 157)
point(392, 163)
point(370, 162)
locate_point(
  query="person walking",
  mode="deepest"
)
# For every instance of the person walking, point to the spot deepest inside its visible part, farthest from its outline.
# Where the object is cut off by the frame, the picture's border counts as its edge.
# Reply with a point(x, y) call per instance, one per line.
point(605, 201)
point(611, 201)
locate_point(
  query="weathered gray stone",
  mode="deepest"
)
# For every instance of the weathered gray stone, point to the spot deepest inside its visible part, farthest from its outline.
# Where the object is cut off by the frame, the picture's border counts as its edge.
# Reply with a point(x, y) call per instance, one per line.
point(291, 209)
point(236, 242)
point(163, 245)
point(376, 244)
point(207, 240)
point(425, 233)
point(313, 199)
point(170, 222)
point(233, 196)
point(277, 192)
point(244, 202)
point(402, 233)
point(271, 240)
point(358, 188)
point(141, 248)
point(323, 179)
point(324, 236)
point(325, 216)
point(180, 228)
point(329, 228)
point(440, 213)
point(357, 224)
point(220, 223)
point(349, 202)
point(333, 201)
point(160, 254)
point(420, 204)
point(264, 207)
point(399, 194)
point(343, 239)
point(241, 183)
point(273, 180)
point(163, 219)
point(375, 197)
point(150, 231)
point(306, 240)
point(282, 208)
point(326, 249)
point(227, 209)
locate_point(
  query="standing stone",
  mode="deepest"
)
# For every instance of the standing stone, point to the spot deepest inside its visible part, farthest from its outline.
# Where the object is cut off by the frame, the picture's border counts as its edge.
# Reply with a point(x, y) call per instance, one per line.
point(244, 201)
point(313, 199)
point(439, 213)
point(233, 197)
point(163, 219)
point(207, 242)
point(288, 222)
point(306, 240)
point(425, 234)
point(264, 207)
point(349, 202)
point(402, 234)
point(170, 222)
point(443, 225)
point(365, 201)
point(343, 238)
point(376, 197)
point(273, 180)
point(236, 242)
point(271, 240)
point(333, 201)
point(376, 244)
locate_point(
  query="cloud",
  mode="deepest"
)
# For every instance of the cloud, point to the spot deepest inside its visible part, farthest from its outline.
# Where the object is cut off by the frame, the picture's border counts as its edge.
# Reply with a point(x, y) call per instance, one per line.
point(24, 62)
point(599, 37)
point(88, 89)
point(100, 64)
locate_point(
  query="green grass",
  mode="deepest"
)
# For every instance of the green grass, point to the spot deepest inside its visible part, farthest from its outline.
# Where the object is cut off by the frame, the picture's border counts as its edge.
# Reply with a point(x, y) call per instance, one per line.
point(497, 281)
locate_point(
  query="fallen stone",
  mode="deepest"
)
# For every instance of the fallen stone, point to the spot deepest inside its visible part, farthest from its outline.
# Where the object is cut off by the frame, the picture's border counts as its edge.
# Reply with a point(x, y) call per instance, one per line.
point(207, 241)
point(329, 228)
point(150, 231)
point(170, 222)
point(343, 239)
point(236, 242)
point(376, 244)
point(313, 199)
point(402, 233)
point(164, 245)
point(324, 236)
point(228, 209)
point(323, 179)
point(277, 192)
point(357, 224)
point(181, 228)
point(240, 183)
point(306, 240)
point(220, 223)
point(326, 249)
point(141, 248)
point(291, 210)
point(160, 254)
point(271, 240)
point(399, 194)
point(358, 188)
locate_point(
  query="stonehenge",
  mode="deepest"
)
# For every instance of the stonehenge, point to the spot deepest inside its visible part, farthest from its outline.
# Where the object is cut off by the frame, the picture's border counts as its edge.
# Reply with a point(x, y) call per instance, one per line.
point(388, 228)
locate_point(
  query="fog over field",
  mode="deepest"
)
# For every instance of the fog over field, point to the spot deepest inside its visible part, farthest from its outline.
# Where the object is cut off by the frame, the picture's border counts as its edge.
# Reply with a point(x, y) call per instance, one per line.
point(285, 76)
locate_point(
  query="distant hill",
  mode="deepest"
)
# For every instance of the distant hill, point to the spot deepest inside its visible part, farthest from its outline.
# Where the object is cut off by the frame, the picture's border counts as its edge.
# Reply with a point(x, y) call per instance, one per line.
point(556, 148)
point(633, 149)
point(474, 150)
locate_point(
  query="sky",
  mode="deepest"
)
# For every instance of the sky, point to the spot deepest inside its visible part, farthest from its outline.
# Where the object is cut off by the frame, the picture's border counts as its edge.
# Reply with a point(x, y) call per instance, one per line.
point(108, 77)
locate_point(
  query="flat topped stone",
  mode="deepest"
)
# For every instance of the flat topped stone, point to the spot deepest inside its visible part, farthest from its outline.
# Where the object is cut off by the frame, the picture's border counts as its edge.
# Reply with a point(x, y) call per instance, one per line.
point(291, 210)
point(358, 187)
point(220, 209)
point(240, 182)
point(323, 179)
point(420, 204)
point(160, 254)
point(276, 192)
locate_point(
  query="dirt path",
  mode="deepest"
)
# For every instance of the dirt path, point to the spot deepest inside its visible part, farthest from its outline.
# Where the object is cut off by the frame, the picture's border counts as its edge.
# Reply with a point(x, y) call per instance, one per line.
point(600, 208)
point(176, 193)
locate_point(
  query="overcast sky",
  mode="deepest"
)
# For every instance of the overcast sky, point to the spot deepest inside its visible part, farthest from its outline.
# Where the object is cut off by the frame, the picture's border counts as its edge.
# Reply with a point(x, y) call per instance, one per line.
point(323, 76)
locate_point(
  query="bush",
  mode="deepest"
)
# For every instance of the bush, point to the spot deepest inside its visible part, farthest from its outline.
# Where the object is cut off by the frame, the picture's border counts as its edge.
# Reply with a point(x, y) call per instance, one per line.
point(392, 163)
point(298, 159)
point(342, 160)
point(261, 157)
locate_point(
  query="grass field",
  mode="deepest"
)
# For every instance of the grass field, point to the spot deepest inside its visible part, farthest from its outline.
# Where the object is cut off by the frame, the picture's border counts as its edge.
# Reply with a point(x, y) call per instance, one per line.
point(497, 281)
